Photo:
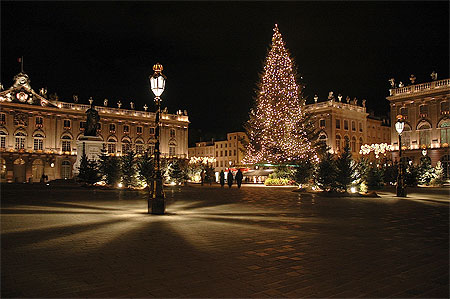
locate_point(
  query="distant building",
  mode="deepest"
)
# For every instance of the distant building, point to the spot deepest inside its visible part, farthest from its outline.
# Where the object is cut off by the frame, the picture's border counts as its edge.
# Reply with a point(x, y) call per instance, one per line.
point(228, 153)
point(425, 110)
point(342, 123)
point(38, 134)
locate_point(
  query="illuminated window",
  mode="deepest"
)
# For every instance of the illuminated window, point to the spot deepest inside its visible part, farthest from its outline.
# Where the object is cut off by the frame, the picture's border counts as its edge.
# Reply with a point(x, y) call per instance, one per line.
point(444, 127)
point(19, 141)
point(424, 129)
point(66, 143)
point(151, 148)
point(445, 107)
point(126, 129)
point(38, 142)
point(111, 146)
point(172, 149)
point(2, 140)
point(139, 147)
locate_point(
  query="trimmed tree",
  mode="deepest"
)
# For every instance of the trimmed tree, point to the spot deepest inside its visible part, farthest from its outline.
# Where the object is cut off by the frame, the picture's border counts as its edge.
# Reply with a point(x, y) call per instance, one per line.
point(325, 176)
point(88, 171)
point(146, 169)
point(345, 169)
point(109, 168)
point(128, 169)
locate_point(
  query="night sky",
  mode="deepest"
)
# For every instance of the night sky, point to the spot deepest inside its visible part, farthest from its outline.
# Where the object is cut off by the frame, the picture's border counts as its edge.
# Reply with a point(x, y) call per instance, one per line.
point(212, 52)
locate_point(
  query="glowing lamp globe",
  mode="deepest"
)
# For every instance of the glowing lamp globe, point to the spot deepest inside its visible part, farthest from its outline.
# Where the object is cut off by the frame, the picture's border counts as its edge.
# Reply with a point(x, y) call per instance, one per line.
point(157, 80)
point(399, 125)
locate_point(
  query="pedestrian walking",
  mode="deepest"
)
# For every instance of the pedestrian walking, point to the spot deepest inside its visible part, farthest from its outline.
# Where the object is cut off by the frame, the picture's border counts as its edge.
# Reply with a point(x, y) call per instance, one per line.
point(202, 176)
point(222, 178)
point(230, 178)
point(239, 177)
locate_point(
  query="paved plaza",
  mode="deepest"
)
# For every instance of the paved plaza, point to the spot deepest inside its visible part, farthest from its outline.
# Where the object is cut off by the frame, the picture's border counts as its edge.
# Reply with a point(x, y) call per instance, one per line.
point(62, 241)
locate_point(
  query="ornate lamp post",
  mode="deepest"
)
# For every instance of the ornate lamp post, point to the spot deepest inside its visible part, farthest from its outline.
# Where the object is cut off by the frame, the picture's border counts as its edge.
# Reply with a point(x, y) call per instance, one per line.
point(401, 189)
point(156, 204)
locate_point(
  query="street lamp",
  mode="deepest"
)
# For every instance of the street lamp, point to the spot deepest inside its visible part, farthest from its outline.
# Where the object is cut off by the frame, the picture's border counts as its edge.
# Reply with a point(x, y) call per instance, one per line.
point(401, 190)
point(156, 204)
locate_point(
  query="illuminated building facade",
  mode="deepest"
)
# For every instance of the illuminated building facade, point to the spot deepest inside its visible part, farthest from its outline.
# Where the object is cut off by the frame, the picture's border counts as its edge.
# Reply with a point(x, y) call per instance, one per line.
point(342, 123)
point(425, 110)
point(228, 153)
point(38, 135)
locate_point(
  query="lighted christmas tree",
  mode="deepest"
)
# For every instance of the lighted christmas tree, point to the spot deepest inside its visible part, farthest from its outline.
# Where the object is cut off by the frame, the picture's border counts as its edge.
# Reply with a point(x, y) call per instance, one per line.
point(278, 129)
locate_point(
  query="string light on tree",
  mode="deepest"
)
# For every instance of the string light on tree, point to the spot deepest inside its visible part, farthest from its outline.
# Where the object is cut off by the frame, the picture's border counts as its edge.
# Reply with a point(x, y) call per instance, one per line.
point(278, 128)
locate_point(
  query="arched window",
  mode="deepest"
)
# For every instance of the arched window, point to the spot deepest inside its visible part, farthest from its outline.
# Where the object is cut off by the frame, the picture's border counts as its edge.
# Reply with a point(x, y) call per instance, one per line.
point(444, 127)
point(111, 144)
point(19, 140)
point(3, 135)
point(66, 143)
point(338, 143)
point(323, 138)
point(172, 148)
point(406, 136)
point(445, 163)
point(139, 146)
point(424, 129)
point(38, 142)
point(126, 145)
point(353, 144)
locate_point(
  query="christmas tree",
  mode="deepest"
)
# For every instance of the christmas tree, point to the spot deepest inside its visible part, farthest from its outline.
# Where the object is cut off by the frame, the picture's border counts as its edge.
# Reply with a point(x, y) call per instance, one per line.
point(278, 128)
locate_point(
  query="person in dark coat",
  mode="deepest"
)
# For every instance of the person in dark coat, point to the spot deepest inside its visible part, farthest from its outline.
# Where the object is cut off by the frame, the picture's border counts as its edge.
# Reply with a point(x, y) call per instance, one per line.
point(202, 176)
point(239, 178)
point(222, 178)
point(230, 178)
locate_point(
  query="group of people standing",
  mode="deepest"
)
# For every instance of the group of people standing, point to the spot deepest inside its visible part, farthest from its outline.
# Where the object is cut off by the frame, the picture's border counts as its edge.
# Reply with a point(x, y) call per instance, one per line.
point(230, 178)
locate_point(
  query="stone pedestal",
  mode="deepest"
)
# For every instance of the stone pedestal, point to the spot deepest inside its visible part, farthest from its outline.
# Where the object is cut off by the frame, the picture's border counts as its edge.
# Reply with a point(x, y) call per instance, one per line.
point(92, 146)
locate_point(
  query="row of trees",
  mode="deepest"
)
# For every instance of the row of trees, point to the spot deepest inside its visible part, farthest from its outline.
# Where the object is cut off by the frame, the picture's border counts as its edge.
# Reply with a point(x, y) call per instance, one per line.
point(131, 170)
point(337, 173)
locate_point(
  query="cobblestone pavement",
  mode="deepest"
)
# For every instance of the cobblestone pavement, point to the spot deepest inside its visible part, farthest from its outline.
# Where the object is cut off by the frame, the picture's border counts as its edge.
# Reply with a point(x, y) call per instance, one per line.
point(248, 242)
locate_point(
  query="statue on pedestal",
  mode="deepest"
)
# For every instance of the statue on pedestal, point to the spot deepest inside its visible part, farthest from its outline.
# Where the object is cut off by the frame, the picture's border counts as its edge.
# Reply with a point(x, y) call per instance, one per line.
point(92, 119)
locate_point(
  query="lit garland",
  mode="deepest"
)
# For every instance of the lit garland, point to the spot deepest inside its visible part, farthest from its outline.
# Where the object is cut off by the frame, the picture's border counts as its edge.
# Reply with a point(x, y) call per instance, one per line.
point(378, 148)
point(202, 160)
point(277, 126)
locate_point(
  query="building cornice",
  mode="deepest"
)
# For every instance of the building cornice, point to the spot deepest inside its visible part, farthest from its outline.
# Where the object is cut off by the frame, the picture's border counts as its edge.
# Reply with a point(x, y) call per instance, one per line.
point(430, 89)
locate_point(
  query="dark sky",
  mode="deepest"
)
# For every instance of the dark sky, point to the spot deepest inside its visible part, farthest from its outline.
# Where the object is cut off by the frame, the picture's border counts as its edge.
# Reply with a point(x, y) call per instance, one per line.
point(212, 52)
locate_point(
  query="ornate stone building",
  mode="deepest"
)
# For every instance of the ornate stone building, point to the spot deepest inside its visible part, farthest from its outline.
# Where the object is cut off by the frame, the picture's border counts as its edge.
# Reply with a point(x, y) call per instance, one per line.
point(346, 122)
point(425, 110)
point(38, 135)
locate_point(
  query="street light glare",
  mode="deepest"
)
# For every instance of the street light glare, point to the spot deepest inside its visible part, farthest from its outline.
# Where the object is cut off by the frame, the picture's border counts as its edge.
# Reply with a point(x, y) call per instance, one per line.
point(399, 125)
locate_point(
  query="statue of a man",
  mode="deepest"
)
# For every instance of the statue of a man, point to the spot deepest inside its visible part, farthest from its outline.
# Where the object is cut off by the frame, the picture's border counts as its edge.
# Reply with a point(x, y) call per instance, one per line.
point(92, 119)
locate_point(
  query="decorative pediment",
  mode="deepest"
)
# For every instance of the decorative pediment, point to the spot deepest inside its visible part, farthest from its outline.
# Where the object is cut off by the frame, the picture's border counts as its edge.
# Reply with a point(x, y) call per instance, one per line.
point(21, 92)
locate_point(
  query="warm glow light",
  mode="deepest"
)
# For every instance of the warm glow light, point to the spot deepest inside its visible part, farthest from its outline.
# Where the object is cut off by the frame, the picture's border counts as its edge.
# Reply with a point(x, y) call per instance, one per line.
point(353, 189)
point(399, 126)
point(120, 185)
point(157, 80)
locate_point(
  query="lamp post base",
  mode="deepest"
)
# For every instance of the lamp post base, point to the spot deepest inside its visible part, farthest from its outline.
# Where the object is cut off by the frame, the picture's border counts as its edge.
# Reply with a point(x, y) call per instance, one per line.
point(157, 206)
point(401, 190)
